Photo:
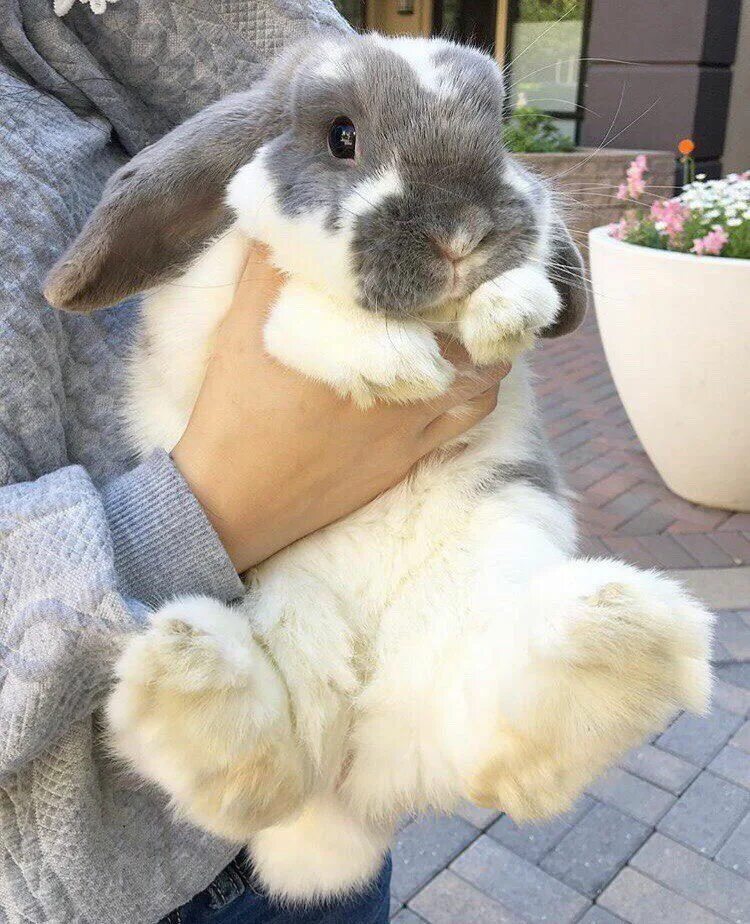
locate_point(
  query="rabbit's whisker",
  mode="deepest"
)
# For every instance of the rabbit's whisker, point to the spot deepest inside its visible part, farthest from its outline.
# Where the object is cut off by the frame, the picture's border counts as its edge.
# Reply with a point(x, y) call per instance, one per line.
point(607, 141)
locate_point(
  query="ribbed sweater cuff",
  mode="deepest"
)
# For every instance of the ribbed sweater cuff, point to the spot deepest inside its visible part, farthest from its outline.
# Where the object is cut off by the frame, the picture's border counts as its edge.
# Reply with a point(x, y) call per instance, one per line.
point(164, 544)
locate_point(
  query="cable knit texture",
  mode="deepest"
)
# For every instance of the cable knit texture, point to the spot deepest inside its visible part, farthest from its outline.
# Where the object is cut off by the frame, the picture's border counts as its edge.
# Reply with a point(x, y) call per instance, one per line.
point(88, 537)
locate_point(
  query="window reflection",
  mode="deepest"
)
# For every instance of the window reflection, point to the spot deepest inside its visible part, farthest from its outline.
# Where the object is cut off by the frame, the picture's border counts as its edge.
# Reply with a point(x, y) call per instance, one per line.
point(545, 46)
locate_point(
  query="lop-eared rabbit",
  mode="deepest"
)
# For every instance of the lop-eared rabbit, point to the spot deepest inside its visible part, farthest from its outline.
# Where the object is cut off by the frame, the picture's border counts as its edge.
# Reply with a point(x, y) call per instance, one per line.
point(443, 641)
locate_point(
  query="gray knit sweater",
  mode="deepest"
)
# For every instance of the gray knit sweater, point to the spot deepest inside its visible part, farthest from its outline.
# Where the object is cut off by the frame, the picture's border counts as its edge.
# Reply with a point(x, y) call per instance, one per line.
point(89, 539)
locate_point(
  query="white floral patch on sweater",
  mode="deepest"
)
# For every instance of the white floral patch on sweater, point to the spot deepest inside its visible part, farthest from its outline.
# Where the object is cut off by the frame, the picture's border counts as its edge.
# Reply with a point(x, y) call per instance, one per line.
point(97, 6)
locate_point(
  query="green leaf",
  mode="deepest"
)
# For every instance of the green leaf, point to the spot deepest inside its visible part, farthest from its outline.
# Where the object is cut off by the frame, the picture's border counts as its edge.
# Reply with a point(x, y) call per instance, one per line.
point(529, 130)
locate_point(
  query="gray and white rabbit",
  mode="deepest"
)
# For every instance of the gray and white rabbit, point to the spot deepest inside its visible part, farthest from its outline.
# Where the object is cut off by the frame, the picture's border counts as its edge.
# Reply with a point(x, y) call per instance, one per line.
point(443, 641)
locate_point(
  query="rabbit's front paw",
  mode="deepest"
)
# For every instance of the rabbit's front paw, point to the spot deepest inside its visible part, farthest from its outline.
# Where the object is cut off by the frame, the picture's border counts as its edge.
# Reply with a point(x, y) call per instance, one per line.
point(502, 317)
point(362, 355)
point(199, 709)
point(400, 365)
point(620, 653)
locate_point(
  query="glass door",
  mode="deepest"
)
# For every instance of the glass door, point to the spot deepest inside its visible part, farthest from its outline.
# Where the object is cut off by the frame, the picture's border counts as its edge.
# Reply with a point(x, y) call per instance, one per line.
point(473, 21)
point(545, 46)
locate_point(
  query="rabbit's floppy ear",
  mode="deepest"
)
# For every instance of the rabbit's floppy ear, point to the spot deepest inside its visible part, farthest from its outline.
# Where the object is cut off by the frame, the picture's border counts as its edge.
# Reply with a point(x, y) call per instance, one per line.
point(159, 210)
point(566, 270)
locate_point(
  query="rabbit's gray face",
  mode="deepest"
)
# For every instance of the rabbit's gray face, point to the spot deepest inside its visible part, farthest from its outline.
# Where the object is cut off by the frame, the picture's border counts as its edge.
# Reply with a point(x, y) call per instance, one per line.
point(389, 181)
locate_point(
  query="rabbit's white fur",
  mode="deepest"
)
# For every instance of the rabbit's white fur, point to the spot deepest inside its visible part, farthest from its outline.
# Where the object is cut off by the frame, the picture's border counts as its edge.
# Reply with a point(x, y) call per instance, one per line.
point(439, 643)
point(434, 645)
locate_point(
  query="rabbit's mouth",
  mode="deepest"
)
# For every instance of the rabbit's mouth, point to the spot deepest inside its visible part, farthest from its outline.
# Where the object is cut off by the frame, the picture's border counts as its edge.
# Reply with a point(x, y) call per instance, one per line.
point(463, 274)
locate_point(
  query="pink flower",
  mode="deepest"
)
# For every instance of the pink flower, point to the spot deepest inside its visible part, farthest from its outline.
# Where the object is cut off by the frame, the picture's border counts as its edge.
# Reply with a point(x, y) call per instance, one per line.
point(620, 228)
point(635, 185)
point(671, 215)
point(713, 243)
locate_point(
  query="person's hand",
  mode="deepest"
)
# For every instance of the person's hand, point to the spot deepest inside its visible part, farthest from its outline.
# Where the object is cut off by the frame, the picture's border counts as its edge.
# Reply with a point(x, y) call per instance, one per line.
point(273, 456)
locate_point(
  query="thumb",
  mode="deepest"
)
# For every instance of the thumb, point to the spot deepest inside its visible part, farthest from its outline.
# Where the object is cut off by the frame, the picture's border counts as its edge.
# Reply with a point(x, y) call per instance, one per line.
point(258, 287)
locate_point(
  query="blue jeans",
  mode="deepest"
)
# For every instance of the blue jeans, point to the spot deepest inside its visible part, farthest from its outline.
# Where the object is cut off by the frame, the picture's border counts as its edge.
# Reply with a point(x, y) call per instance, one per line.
point(232, 898)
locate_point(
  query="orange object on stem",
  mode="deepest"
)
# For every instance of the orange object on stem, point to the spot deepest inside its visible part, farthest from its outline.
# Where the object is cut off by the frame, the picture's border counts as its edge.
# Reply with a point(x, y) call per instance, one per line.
point(686, 146)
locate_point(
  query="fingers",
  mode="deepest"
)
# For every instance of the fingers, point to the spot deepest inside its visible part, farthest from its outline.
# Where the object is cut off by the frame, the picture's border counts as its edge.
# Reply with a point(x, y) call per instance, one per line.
point(257, 255)
point(461, 417)
point(454, 351)
point(469, 383)
point(259, 283)
point(259, 271)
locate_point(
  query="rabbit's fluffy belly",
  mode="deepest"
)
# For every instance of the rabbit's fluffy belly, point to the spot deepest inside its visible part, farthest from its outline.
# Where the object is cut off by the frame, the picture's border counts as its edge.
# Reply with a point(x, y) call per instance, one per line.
point(437, 644)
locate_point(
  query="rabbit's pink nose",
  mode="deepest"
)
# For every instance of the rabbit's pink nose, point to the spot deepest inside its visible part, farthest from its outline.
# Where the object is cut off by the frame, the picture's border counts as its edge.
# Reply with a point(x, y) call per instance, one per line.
point(454, 249)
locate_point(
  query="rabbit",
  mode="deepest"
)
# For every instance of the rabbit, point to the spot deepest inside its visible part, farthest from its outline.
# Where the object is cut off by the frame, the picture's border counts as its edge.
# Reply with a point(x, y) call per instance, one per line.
point(443, 642)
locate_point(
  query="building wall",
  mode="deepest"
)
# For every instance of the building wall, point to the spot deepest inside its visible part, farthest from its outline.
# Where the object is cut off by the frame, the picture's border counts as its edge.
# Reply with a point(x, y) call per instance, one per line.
point(675, 81)
point(737, 150)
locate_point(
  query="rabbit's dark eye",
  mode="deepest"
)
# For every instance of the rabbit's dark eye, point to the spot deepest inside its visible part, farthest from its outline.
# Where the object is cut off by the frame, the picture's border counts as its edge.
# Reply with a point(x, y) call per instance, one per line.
point(342, 138)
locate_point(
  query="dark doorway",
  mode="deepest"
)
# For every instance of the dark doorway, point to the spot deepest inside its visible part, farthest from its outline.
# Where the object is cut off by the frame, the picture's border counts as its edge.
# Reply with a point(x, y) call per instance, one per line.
point(472, 21)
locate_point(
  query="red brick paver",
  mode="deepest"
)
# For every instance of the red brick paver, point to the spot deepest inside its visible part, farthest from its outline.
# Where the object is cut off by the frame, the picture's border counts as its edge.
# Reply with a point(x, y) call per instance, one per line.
point(623, 506)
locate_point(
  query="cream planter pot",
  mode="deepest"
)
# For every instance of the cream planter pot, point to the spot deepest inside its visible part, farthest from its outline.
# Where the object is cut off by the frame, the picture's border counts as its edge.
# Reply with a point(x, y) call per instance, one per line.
point(676, 332)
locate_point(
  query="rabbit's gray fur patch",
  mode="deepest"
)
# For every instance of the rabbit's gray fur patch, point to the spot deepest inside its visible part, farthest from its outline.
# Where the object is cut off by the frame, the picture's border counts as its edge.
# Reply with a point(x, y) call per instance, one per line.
point(438, 133)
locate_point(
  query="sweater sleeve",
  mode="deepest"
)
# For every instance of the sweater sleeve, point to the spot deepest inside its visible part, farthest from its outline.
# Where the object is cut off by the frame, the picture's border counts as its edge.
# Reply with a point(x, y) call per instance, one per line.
point(162, 541)
point(61, 615)
point(64, 608)
point(82, 558)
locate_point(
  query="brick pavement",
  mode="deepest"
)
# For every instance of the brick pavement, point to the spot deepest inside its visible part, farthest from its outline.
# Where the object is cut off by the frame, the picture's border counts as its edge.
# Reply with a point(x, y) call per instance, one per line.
point(624, 508)
point(664, 837)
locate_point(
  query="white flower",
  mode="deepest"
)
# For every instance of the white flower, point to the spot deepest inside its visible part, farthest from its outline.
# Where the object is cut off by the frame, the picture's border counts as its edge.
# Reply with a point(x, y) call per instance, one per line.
point(718, 198)
point(700, 176)
point(734, 222)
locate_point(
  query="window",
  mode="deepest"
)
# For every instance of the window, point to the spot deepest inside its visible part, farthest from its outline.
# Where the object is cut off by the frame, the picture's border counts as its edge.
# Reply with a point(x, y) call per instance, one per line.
point(546, 41)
